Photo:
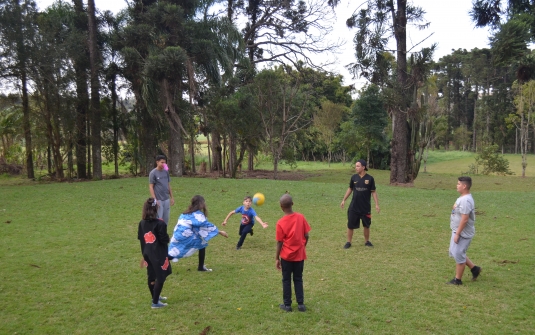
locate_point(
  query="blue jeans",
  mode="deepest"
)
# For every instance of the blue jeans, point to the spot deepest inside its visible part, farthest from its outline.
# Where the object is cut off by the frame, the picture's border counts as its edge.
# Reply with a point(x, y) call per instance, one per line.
point(295, 268)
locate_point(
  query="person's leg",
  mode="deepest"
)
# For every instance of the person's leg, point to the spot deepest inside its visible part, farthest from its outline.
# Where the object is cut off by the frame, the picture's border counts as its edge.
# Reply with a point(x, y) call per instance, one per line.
point(459, 270)
point(349, 235)
point(150, 283)
point(158, 286)
point(366, 231)
point(298, 281)
point(366, 223)
point(286, 282)
point(244, 231)
point(469, 263)
point(458, 252)
point(202, 255)
point(166, 210)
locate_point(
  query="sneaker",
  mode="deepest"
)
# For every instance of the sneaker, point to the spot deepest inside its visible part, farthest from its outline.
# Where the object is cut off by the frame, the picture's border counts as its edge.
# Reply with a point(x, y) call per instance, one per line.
point(285, 308)
point(163, 303)
point(251, 232)
point(163, 298)
point(476, 271)
point(455, 281)
point(205, 269)
point(368, 244)
point(158, 305)
point(301, 308)
point(238, 248)
point(347, 245)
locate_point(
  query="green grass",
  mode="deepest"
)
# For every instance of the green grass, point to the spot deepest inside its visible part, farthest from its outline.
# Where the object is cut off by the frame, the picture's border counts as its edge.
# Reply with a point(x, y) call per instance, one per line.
point(70, 259)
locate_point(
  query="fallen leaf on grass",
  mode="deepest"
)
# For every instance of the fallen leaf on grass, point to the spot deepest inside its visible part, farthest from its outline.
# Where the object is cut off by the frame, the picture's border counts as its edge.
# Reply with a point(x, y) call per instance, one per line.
point(35, 266)
point(523, 239)
point(388, 321)
point(8, 221)
point(205, 330)
point(196, 322)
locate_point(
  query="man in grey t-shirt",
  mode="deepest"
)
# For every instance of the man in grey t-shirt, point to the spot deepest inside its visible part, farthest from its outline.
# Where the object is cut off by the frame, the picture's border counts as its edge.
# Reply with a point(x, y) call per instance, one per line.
point(462, 222)
point(160, 188)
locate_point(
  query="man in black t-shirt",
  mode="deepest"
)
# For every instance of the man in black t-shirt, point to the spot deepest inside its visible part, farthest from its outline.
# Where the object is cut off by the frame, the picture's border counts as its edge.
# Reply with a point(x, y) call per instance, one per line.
point(362, 185)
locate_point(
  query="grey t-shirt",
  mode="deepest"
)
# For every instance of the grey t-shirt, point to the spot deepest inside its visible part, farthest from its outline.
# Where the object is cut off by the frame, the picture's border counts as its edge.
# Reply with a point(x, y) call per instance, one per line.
point(464, 205)
point(161, 180)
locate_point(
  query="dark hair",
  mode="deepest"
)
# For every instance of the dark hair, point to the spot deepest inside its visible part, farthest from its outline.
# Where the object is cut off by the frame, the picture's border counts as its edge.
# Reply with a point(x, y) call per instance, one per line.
point(248, 197)
point(466, 180)
point(160, 157)
point(150, 209)
point(197, 204)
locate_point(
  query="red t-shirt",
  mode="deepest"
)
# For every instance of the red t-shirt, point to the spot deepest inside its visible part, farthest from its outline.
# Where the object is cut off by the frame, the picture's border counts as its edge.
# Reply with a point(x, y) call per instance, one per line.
point(291, 230)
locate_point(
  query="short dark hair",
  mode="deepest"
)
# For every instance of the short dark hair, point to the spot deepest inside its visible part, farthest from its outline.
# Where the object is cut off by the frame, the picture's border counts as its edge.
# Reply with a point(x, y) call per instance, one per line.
point(160, 157)
point(150, 209)
point(466, 180)
point(247, 197)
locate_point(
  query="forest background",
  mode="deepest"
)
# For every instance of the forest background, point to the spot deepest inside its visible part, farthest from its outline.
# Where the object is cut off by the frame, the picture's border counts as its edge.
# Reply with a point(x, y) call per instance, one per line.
point(245, 76)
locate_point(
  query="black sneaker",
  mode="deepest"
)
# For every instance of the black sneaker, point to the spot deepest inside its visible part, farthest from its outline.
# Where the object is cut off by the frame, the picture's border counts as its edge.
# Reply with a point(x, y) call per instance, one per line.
point(301, 308)
point(347, 245)
point(368, 244)
point(455, 281)
point(251, 232)
point(476, 271)
point(285, 308)
point(238, 247)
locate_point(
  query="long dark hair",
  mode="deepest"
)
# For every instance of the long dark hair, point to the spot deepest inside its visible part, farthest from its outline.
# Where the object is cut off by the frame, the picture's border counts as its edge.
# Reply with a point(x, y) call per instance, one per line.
point(197, 204)
point(150, 209)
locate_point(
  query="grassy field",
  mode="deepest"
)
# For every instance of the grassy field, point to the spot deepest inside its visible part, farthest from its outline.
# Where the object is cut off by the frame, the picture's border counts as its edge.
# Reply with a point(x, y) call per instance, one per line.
point(70, 259)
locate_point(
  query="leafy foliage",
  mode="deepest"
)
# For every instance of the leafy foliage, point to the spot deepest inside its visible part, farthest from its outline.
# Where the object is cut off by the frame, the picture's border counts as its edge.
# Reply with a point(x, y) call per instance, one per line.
point(492, 162)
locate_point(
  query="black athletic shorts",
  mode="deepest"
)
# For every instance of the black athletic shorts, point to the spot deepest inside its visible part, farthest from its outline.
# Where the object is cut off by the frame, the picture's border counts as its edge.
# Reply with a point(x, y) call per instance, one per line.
point(353, 220)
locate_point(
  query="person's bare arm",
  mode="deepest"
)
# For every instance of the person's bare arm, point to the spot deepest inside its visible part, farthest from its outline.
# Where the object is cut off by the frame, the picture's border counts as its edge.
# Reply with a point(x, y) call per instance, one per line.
point(229, 215)
point(151, 190)
point(348, 192)
point(264, 224)
point(462, 224)
point(172, 200)
point(374, 194)
point(277, 256)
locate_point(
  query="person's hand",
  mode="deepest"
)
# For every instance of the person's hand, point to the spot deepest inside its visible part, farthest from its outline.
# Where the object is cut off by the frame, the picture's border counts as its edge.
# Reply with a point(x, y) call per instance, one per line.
point(278, 265)
point(172, 202)
point(264, 224)
point(342, 204)
point(456, 239)
point(377, 209)
point(143, 263)
point(223, 233)
point(224, 223)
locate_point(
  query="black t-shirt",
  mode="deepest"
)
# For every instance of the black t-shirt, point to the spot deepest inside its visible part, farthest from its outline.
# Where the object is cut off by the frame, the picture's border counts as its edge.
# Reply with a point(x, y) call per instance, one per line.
point(362, 192)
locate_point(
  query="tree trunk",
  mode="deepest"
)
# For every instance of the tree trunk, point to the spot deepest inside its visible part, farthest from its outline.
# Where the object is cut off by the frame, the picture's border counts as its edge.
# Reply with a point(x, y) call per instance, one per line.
point(398, 163)
point(216, 151)
point(82, 96)
point(26, 125)
point(94, 58)
point(176, 138)
point(115, 125)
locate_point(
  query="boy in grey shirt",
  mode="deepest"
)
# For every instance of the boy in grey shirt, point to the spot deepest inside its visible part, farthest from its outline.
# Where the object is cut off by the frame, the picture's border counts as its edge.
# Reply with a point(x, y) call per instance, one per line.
point(160, 188)
point(462, 222)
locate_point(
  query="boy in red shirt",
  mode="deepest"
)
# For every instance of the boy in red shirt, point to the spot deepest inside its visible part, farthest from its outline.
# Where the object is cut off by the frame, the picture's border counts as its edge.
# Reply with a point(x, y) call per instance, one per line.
point(292, 238)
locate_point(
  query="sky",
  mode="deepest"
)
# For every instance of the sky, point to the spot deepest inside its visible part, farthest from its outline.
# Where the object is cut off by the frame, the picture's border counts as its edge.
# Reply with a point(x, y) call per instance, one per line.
point(450, 27)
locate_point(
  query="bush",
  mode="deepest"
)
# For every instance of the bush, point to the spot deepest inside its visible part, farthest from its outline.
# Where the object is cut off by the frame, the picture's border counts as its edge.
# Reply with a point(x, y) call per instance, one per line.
point(491, 162)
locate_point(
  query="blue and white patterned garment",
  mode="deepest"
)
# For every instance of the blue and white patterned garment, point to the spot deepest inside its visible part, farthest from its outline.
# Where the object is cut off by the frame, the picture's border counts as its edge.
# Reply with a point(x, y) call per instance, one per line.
point(192, 232)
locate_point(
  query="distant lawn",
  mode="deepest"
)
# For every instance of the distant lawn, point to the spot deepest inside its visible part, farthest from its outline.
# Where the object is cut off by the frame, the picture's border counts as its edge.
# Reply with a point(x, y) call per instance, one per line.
point(70, 259)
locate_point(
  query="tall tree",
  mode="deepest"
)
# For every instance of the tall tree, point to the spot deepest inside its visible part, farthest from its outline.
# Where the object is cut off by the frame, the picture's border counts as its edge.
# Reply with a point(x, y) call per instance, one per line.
point(381, 20)
point(95, 61)
point(17, 29)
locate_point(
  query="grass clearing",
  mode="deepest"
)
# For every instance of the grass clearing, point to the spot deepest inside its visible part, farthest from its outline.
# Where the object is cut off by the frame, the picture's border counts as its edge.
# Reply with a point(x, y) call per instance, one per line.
point(70, 260)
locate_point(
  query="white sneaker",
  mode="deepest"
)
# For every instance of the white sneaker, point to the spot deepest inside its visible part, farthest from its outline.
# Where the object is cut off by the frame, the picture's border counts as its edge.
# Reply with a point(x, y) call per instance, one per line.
point(204, 268)
point(162, 303)
point(163, 298)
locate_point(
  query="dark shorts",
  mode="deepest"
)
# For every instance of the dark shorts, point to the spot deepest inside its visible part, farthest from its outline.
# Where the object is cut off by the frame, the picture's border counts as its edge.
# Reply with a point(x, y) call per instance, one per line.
point(353, 220)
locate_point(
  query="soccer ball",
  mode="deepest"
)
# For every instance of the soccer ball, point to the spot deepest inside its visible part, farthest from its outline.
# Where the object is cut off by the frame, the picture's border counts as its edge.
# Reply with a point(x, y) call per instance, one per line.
point(258, 199)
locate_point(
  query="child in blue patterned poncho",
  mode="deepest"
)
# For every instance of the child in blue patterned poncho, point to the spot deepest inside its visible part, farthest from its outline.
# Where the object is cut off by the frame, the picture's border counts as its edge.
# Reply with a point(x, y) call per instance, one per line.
point(192, 233)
